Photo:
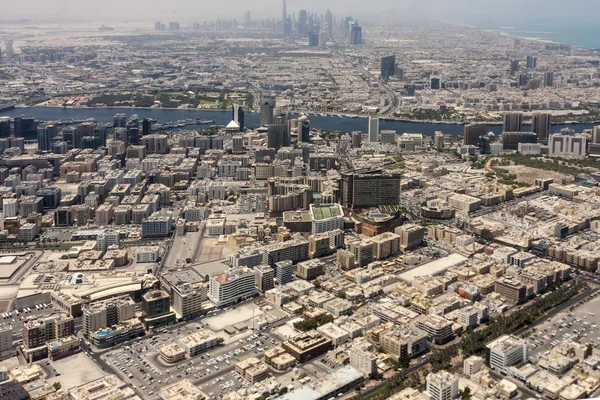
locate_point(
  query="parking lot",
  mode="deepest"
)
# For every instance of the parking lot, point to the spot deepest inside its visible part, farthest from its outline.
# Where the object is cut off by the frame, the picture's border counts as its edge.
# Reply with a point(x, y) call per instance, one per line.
point(581, 324)
point(138, 363)
point(15, 318)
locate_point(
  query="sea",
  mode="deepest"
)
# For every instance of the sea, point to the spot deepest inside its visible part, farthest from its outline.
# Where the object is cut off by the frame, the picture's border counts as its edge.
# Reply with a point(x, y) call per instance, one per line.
point(577, 30)
point(318, 121)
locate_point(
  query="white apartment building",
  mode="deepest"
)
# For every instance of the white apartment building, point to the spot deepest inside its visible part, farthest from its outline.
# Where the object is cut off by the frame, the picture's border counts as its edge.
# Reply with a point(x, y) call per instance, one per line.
point(10, 207)
point(363, 359)
point(232, 286)
point(506, 351)
point(106, 239)
point(530, 148)
point(442, 386)
point(147, 255)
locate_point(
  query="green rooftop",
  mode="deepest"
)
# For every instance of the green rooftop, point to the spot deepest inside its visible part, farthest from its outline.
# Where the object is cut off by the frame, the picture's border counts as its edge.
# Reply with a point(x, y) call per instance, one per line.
point(324, 212)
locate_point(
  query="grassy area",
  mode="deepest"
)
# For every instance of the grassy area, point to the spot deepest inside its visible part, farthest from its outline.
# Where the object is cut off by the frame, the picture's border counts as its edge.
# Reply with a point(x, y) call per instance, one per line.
point(554, 164)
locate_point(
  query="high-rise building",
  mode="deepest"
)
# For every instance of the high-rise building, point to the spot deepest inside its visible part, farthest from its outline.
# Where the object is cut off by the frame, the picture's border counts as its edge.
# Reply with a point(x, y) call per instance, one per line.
point(267, 108)
point(25, 127)
point(4, 127)
point(369, 189)
point(570, 145)
point(99, 136)
point(435, 83)
point(265, 276)
point(522, 79)
point(302, 23)
point(329, 23)
point(237, 116)
point(388, 67)
point(514, 67)
point(531, 62)
point(44, 138)
point(356, 139)
point(548, 79)
point(511, 140)
point(596, 135)
point(472, 133)
point(275, 136)
point(284, 271)
point(541, 125)
point(438, 140)
point(373, 129)
point(313, 38)
point(146, 127)
point(355, 34)
point(304, 127)
point(232, 286)
point(442, 385)
point(513, 122)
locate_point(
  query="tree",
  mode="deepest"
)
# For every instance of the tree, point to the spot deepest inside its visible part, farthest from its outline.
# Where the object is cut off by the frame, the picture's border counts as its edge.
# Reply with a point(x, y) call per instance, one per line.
point(283, 390)
point(465, 394)
point(342, 295)
point(56, 385)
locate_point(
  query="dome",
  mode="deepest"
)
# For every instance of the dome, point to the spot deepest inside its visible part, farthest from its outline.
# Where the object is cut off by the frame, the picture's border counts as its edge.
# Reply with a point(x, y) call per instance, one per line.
point(303, 118)
point(78, 278)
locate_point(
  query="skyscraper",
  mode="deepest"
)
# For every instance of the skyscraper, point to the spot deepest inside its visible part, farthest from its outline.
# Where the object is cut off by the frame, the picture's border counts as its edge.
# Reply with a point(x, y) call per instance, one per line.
point(355, 34)
point(373, 129)
point(435, 83)
point(329, 23)
point(313, 38)
point(237, 116)
point(304, 129)
point(548, 79)
point(4, 127)
point(284, 18)
point(44, 138)
point(531, 62)
point(388, 67)
point(472, 133)
point(302, 23)
point(267, 107)
point(275, 136)
point(25, 127)
point(541, 125)
point(146, 127)
point(596, 135)
point(99, 136)
point(513, 122)
point(514, 67)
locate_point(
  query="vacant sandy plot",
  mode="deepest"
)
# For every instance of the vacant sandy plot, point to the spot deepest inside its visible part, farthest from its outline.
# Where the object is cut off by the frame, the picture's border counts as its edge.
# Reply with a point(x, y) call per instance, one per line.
point(241, 313)
point(75, 371)
point(529, 175)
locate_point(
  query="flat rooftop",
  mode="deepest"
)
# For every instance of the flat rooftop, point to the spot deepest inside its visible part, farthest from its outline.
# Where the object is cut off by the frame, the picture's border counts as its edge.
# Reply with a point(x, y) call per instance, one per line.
point(434, 267)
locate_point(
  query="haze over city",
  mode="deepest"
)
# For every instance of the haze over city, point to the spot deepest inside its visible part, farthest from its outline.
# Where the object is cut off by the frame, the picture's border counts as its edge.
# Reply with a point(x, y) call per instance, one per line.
point(299, 200)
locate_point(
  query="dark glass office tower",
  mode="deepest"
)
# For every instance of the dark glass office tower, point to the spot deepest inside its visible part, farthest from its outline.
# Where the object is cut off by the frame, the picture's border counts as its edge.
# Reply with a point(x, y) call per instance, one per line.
point(388, 67)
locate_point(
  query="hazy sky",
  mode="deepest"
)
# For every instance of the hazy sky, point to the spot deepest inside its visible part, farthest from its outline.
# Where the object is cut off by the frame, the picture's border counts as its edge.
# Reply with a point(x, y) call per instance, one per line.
point(536, 11)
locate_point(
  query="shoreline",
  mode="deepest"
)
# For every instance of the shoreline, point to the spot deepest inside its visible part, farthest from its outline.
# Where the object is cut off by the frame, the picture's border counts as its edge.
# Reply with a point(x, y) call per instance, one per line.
point(309, 114)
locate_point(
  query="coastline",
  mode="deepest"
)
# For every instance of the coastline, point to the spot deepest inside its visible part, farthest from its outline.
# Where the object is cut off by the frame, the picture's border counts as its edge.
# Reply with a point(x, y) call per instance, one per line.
point(515, 32)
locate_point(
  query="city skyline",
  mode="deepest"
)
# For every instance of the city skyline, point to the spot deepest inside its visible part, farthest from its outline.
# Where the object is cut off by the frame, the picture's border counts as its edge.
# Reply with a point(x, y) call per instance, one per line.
point(460, 11)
